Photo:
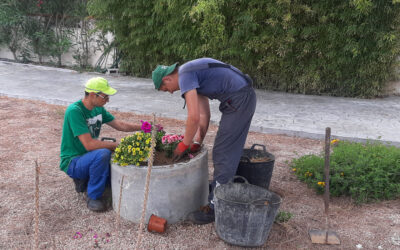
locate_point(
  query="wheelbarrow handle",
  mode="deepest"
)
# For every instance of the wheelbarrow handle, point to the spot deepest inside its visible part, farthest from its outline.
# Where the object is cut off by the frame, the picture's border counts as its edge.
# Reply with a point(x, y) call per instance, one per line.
point(108, 139)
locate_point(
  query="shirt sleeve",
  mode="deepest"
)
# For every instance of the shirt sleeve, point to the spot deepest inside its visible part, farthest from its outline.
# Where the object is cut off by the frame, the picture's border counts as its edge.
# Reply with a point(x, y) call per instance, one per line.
point(107, 117)
point(77, 122)
point(188, 81)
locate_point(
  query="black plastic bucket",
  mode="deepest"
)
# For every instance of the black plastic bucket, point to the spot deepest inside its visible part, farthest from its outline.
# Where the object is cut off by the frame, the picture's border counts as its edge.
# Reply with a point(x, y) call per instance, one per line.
point(258, 172)
point(244, 213)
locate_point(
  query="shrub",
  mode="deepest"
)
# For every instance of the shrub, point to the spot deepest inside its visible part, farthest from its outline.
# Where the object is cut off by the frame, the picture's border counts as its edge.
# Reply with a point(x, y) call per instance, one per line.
point(366, 172)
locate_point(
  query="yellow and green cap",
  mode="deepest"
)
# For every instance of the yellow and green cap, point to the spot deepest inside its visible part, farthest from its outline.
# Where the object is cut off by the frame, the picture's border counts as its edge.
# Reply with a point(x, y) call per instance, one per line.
point(160, 72)
point(99, 84)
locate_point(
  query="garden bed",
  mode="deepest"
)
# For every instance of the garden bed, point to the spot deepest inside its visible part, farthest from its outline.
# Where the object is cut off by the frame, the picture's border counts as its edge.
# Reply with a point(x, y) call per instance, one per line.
point(31, 130)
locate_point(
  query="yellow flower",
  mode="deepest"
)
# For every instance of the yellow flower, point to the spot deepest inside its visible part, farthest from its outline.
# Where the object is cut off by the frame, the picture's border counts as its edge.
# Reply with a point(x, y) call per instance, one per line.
point(122, 140)
point(137, 143)
point(308, 174)
point(117, 150)
point(141, 152)
point(139, 138)
point(294, 169)
point(321, 183)
point(137, 164)
point(334, 141)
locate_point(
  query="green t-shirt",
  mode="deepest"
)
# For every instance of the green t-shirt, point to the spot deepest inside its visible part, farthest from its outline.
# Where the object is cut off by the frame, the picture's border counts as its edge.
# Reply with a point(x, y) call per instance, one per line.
point(79, 120)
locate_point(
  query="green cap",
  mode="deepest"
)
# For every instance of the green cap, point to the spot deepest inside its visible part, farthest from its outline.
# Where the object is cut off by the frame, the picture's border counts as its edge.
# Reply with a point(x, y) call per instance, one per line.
point(99, 84)
point(160, 72)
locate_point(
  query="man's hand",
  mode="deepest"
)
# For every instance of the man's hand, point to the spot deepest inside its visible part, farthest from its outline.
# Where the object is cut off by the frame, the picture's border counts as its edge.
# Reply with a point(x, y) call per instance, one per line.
point(195, 147)
point(179, 151)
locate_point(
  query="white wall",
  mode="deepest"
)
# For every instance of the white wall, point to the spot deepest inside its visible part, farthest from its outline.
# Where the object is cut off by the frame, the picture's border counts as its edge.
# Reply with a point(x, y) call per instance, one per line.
point(67, 58)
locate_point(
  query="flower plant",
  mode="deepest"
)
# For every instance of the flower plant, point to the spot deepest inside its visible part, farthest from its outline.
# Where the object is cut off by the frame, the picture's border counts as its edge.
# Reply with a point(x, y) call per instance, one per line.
point(366, 172)
point(135, 149)
point(170, 142)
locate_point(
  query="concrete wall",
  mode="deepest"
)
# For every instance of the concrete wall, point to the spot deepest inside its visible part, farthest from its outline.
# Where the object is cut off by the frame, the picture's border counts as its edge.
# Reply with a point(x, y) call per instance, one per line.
point(67, 59)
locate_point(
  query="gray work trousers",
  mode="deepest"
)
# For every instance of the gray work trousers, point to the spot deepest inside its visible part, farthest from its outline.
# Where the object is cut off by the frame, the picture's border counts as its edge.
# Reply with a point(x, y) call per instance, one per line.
point(237, 112)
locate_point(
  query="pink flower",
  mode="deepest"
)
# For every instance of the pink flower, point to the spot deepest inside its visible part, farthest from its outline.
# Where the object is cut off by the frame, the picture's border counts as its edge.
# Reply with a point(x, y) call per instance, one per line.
point(159, 127)
point(77, 235)
point(146, 127)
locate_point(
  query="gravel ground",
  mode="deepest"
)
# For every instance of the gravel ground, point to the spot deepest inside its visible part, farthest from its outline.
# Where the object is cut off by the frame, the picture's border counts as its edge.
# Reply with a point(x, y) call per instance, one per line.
point(31, 131)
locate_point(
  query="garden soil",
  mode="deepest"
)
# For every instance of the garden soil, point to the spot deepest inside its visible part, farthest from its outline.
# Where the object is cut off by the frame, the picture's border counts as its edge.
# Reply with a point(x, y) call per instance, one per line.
point(31, 131)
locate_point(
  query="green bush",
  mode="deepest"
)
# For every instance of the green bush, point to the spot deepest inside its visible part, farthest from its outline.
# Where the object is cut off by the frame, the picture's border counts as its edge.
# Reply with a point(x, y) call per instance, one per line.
point(366, 172)
point(341, 48)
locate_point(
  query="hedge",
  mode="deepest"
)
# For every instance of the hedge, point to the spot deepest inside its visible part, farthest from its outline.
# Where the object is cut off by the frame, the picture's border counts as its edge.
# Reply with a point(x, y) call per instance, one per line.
point(340, 47)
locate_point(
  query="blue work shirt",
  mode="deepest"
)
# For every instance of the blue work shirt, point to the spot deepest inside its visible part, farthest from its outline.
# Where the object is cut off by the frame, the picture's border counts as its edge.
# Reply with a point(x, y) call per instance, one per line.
point(210, 82)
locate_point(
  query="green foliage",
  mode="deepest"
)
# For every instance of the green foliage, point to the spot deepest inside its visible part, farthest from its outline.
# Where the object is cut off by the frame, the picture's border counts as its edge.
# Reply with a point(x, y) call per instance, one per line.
point(343, 48)
point(283, 217)
point(11, 25)
point(39, 28)
point(366, 172)
point(147, 32)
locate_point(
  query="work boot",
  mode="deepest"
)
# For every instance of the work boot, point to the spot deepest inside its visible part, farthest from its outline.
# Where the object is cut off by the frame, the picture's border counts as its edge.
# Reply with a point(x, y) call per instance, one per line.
point(204, 215)
point(80, 185)
point(95, 205)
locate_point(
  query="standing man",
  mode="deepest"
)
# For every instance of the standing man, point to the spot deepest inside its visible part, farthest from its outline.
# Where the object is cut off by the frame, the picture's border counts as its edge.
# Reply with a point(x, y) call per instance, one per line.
point(198, 81)
point(84, 157)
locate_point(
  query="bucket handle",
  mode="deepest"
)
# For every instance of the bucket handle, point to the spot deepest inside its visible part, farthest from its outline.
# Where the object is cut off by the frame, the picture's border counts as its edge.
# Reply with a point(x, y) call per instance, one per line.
point(239, 177)
point(263, 146)
point(264, 202)
point(260, 202)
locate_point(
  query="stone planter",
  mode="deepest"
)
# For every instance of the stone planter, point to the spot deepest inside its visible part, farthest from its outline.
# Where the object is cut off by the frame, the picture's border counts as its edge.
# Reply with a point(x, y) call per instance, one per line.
point(175, 190)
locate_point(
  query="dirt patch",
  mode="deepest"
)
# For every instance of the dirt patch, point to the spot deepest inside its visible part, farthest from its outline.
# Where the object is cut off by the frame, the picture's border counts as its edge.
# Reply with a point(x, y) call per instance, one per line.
point(161, 158)
point(31, 130)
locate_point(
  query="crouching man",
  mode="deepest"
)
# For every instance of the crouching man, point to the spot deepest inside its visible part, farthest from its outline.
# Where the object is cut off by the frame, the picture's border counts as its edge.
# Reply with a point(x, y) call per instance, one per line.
point(84, 157)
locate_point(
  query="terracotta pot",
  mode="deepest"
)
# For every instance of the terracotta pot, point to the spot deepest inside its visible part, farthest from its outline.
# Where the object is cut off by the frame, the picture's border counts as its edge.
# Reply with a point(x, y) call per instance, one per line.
point(157, 224)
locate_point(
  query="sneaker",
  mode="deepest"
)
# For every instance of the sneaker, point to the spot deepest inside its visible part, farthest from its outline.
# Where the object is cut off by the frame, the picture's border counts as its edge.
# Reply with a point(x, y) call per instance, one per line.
point(202, 216)
point(95, 205)
point(80, 185)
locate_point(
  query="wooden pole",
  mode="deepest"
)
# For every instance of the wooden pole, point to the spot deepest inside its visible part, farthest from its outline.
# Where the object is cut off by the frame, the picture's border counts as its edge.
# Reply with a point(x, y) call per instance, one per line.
point(37, 172)
point(146, 189)
point(327, 164)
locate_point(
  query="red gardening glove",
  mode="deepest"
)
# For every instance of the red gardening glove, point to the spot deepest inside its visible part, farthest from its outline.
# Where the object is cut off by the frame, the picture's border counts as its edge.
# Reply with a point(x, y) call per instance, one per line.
point(195, 147)
point(180, 150)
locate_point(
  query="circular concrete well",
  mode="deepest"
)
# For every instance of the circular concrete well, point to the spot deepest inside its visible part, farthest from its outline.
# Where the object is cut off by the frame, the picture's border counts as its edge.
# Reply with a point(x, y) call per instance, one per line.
point(175, 190)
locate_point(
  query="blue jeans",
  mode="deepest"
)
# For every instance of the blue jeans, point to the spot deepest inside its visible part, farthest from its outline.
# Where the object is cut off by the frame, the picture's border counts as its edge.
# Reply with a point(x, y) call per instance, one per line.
point(93, 166)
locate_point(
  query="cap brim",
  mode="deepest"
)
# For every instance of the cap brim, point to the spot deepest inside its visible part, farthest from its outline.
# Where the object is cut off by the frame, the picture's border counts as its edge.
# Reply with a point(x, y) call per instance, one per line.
point(110, 91)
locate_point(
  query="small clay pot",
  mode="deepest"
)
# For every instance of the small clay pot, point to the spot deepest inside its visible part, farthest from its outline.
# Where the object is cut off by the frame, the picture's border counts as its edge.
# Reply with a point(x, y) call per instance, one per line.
point(156, 224)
